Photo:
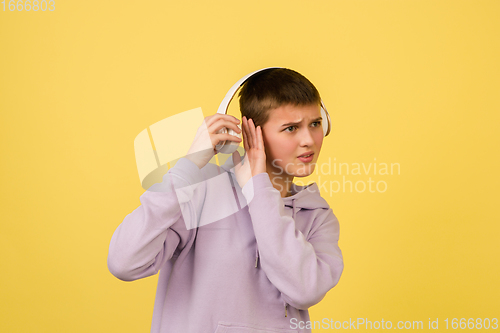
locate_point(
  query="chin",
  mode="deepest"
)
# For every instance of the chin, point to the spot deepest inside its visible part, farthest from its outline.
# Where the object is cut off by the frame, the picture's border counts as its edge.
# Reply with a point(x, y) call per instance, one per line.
point(304, 171)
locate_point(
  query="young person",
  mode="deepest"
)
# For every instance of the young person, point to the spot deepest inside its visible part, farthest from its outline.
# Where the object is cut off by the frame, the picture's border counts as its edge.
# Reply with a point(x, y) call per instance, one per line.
point(271, 249)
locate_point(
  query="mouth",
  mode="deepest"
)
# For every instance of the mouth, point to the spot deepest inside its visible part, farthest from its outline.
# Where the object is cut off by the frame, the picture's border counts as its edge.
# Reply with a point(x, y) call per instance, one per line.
point(306, 155)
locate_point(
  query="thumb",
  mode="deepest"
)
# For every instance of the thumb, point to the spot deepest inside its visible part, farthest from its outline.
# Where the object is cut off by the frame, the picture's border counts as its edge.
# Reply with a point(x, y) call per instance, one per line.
point(236, 159)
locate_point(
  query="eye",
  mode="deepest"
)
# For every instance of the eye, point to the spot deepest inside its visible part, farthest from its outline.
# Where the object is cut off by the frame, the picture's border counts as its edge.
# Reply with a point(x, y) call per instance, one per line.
point(288, 128)
point(318, 123)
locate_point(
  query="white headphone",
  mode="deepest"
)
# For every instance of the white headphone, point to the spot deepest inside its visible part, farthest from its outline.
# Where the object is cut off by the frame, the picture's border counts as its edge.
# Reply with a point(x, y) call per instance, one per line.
point(228, 147)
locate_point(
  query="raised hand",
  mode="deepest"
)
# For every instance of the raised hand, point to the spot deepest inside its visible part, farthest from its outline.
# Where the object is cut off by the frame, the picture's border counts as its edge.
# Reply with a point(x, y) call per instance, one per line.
point(255, 156)
point(203, 147)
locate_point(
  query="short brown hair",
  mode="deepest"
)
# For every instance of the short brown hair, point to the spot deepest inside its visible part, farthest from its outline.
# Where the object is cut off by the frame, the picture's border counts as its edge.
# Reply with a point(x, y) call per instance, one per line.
point(272, 88)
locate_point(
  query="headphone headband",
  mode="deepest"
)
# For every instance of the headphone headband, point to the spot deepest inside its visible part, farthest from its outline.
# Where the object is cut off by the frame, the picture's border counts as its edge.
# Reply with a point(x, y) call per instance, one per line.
point(230, 94)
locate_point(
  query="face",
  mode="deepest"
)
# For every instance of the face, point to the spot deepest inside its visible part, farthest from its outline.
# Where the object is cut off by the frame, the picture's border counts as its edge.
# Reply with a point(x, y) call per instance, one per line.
point(292, 131)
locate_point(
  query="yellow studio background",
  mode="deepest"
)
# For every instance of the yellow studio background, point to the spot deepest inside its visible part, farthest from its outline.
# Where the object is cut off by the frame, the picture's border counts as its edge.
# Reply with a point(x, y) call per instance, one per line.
point(409, 82)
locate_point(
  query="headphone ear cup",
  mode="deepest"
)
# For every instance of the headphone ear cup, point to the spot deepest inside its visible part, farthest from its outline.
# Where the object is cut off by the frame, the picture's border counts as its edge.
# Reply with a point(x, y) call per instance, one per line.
point(221, 143)
point(227, 146)
point(324, 123)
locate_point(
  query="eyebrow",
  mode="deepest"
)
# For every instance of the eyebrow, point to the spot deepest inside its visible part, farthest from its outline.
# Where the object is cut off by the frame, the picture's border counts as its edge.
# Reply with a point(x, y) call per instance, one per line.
point(290, 124)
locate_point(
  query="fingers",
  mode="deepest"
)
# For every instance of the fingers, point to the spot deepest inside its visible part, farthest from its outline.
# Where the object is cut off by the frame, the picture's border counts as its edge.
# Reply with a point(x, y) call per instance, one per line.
point(218, 116)
point(252, 136)
point(247, 130)
point(260, 140)
point(216, 138)
point(221, 123)
point(244, 133)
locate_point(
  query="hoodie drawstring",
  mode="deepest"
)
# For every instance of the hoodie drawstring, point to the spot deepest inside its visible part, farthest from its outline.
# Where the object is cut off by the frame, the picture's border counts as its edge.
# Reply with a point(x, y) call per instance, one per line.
point(256, 256)
point(293, 215)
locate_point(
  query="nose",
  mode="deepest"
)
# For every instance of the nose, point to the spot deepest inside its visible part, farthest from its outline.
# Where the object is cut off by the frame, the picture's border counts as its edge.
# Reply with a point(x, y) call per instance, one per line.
point(306, 138)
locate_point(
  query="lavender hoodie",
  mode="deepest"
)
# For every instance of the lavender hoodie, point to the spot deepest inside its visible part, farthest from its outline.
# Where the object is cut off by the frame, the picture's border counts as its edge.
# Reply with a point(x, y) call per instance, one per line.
point(251, 271)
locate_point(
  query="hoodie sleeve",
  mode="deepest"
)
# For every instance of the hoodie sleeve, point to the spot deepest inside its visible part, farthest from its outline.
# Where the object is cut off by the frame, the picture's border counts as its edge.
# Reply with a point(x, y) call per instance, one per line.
point(302, 268)
point(150, 235)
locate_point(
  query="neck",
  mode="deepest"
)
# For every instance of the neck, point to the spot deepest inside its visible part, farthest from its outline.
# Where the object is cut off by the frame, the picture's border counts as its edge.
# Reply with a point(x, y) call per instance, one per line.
point(282, 182)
